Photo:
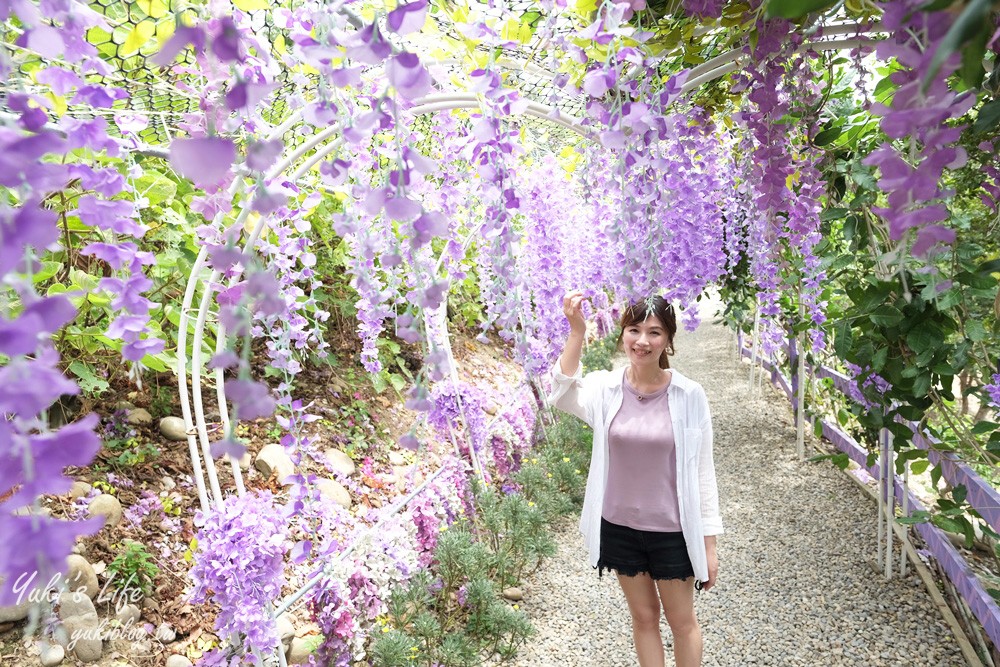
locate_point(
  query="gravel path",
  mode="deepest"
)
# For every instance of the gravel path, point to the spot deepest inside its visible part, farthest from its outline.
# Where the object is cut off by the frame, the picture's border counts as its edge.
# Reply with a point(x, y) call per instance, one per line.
point(797, 584)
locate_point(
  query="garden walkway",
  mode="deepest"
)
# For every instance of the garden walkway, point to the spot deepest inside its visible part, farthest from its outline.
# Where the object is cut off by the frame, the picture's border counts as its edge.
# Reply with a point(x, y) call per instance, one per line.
point(797, 584)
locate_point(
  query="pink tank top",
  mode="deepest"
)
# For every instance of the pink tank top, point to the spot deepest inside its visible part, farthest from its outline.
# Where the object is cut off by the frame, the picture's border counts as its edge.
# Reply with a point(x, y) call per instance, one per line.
point(642, 470)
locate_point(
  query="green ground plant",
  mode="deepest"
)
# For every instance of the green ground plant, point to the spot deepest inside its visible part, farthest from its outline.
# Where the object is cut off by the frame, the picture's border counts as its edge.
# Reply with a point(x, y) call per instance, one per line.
point(133, 568)
point(453, 614)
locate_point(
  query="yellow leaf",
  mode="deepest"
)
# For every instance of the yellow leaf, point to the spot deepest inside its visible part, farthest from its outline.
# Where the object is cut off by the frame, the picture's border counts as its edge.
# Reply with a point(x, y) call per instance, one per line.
point(58, 103)
point(279, 45)
point(251, 5)
point(155, 9)
point(138, 36)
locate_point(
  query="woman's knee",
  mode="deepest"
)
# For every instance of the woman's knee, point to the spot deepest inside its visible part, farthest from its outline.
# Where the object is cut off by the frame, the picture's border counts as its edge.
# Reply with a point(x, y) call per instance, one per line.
point(682, 621)
point(645, 616)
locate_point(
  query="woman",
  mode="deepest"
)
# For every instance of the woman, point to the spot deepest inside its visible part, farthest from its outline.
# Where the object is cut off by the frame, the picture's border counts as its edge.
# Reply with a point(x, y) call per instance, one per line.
point(651, 509)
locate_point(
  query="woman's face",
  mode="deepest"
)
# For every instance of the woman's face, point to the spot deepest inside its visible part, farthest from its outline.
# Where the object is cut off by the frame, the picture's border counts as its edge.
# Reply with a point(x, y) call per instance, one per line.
point(645, 341)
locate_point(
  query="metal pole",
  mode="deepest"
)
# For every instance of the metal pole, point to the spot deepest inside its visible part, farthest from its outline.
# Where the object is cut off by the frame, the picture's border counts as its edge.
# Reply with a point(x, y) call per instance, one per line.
point(890, 500)
point(881, 495)
point(905, 539)
point(800, 373)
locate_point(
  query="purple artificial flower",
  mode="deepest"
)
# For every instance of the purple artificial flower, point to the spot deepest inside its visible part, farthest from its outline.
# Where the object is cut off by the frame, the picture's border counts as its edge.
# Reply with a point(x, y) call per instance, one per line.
point(36, 545)
point(408, 76)
point(993, 391)
point(206, 161)
point(369, 47)
point(231, 447)
point(226, 41)
point(116, 255)
point(251, 399)
point(75, 444)
point(262, 154)
point(182, 37)
point(407, 18)
point(99, 97)
point(28, 386)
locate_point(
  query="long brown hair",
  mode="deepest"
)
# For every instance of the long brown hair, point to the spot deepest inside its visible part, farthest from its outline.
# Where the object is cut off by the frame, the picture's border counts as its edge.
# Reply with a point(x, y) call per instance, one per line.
point(660, 308)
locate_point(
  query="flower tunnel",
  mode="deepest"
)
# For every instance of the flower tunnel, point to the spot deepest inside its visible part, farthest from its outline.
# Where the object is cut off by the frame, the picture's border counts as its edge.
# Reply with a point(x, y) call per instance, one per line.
point(827, 169)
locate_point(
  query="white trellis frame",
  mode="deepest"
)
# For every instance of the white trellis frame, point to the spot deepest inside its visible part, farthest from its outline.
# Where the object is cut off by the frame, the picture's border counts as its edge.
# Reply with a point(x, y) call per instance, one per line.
point(196, 425)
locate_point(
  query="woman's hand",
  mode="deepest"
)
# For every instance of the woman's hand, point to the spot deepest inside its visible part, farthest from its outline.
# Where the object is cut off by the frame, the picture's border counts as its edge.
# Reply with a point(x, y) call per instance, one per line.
point(713, 570)
point(573, 309)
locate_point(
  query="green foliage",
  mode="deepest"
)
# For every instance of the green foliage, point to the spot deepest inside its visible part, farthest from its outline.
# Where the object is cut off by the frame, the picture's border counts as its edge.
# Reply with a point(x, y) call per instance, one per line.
point(453, 614)
point(599, 354)
point(133, 568)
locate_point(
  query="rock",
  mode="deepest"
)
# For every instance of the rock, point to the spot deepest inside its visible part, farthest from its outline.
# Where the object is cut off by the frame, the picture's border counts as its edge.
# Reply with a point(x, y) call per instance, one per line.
point(128, 615)
point(340, 461)
point(333, 490)
point(81, 574)
point(107, 506)
point(396, 459)
point(124, 405)
point(15, 613)
point(52, 655)
point(178, 661)
point(173, 428)
point(513, 594)
point(273, 459)
point(167, 483)
point(286, 630)
point(245, 461)
point(302, 648)
point(79, 618)
point(491, 408)
point(79, 490)
point(150, 605)
point(139, 417)
point(6, 627)
point(165, 633)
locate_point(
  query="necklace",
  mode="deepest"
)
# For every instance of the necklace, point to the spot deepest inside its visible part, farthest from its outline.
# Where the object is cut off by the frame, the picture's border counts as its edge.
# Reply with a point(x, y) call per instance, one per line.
point(638, 394)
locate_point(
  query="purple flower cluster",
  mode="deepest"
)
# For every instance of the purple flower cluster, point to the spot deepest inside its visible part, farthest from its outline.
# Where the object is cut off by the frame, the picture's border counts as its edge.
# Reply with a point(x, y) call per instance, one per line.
point(457, 412)
point(240, 565)
point(919, 117)
point(993, 391)
point(868, 386)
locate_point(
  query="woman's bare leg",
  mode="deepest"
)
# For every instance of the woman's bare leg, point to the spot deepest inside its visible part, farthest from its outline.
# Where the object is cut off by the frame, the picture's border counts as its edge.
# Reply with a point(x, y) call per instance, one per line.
point(677, 597)
point(644, 605)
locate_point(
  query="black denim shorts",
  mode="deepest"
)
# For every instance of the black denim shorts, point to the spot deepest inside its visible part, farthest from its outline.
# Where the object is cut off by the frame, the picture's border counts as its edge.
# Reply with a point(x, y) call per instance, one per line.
point(629, 552)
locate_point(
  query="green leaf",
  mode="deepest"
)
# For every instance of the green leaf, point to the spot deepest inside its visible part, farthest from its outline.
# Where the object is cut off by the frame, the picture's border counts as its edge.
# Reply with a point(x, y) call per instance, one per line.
point(886, 316)
point(922, 384)
point(984, 427)
point(919, 467)
point(966, 27)
point(975, 331)
point(916, 517)
point(972, 71)
point(793, 9)
point(156, 187)
point(827, 136)
point(48, 270)
point(90, 383)
point(948, 524)
point(959, 493)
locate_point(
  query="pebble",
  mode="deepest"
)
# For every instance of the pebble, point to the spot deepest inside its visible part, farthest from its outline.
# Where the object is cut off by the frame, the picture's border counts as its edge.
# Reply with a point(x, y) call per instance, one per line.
point(79, 490)
point(340, 461)
point(53, 655)
point(139, 417)
point(165, 633)
point(173, 428)
point(795, 586)
point(274, 459)
point(81, 574)
point(82, 626)
point(178, 661)
point(334, 491)
point(107, 506)
point(128, 615)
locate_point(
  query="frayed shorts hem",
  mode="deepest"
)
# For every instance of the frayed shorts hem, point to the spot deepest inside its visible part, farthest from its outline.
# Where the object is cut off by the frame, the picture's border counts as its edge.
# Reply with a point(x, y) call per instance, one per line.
point(626, 571)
